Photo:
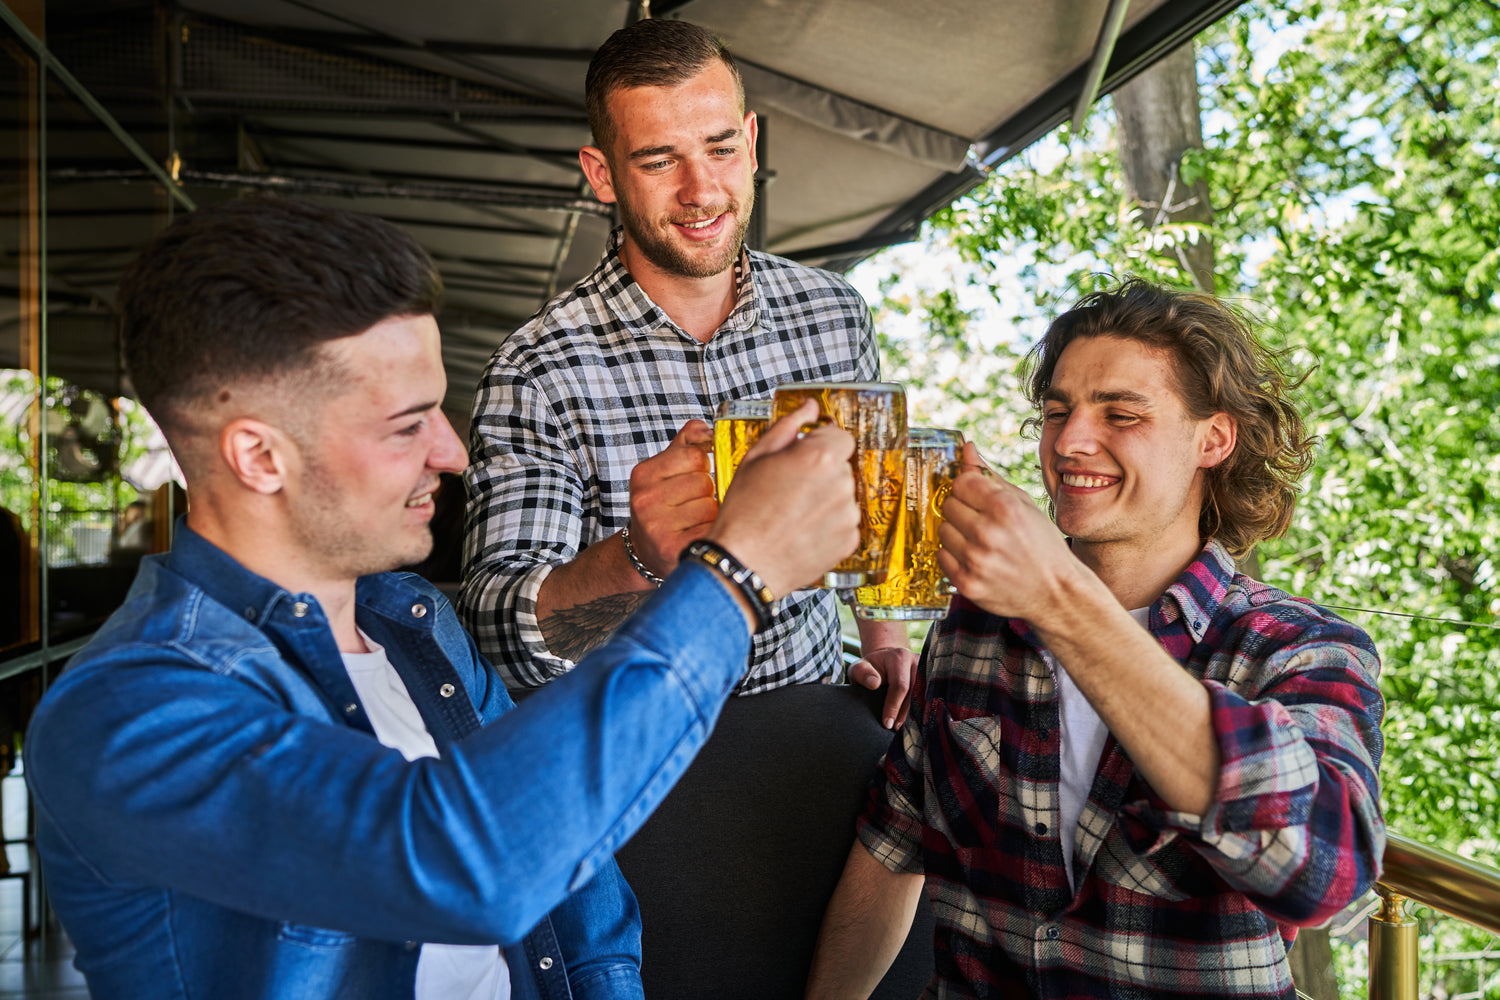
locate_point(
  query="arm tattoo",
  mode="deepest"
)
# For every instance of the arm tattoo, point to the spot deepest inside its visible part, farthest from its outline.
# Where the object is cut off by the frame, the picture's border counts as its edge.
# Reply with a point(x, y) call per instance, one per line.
point(572, 632)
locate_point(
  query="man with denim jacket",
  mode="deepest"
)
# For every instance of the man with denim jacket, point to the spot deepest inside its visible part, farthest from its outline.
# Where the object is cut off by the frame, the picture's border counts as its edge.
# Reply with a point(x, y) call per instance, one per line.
point(1129, 770)
point(280, 771)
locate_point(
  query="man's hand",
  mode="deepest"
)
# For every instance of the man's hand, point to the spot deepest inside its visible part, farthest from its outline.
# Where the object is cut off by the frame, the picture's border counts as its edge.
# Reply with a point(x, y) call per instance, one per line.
point(999, 549)
point(886, 659)
point(672, 498)
point(896, 668)
point(790, 513)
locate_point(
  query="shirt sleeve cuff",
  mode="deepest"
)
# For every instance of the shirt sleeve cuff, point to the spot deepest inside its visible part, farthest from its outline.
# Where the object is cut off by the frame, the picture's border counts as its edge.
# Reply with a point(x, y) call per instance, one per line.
point(527, 628)
point(1266, 773)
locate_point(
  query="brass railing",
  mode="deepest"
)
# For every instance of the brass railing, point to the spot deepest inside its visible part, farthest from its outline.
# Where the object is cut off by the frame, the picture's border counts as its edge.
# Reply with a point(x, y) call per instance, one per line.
point(1445, 882)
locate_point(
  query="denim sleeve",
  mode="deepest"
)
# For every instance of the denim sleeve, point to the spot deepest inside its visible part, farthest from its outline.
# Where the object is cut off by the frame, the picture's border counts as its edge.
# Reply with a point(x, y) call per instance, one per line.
point(599, 933)
point(155, 767)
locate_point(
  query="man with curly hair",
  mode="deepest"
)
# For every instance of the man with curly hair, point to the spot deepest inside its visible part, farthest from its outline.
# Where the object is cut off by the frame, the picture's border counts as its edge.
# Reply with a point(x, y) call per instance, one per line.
point(1128, 770)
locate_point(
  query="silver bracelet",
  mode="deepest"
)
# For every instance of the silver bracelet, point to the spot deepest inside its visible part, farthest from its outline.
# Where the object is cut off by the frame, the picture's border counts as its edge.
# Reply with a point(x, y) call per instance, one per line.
point(635, 560)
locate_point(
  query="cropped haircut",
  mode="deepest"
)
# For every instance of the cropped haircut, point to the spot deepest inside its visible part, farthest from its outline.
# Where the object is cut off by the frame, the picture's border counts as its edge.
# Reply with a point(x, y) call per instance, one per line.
point(1220, 367)
point(649, 53)
point(250, 290)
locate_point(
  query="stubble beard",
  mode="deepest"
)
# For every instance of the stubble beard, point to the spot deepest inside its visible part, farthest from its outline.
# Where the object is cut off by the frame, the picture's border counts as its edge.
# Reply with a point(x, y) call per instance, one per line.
point(323, 526)
point(667, 255)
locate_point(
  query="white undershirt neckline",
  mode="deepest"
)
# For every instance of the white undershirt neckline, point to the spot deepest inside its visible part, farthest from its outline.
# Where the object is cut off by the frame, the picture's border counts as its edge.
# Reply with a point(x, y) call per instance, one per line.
point(1080, 742)
point(444, 971)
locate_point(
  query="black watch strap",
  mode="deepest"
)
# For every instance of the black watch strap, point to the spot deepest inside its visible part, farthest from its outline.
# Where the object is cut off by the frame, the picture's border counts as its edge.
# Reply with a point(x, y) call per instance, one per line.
point(745, 579)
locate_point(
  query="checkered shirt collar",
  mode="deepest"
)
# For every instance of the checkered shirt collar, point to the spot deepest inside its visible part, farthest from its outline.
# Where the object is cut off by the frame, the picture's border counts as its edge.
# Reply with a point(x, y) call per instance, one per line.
point(628, 303)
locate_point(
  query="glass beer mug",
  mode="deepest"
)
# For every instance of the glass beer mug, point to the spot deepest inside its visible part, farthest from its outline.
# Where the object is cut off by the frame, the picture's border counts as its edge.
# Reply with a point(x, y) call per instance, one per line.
point(874, 413)
point(915, 589)
point(738, 424)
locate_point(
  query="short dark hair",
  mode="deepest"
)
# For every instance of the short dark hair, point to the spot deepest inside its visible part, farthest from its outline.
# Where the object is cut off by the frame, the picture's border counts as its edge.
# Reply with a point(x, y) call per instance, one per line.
point(1220, 367)
point(649, 53)
point(252, 288)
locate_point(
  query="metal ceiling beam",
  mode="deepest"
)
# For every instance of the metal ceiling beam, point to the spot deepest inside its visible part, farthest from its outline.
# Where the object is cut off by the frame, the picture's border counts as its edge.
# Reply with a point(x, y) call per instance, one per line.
point(1104, 48)
point(494, 147)
point(862, 244)
point(315, 39)
point(406, 189)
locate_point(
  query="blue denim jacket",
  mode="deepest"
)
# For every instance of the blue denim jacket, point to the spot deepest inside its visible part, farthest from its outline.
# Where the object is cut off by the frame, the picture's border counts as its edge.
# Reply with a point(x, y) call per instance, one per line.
point(216, 819)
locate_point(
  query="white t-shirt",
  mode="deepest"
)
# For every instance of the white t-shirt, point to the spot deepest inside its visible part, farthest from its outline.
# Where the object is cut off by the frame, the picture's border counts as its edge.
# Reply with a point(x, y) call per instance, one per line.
point(1080, 744)
point(444, 971)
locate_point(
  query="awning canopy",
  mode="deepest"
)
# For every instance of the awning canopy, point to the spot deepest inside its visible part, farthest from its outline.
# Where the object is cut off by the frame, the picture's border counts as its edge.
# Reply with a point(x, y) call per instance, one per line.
point(461, 122)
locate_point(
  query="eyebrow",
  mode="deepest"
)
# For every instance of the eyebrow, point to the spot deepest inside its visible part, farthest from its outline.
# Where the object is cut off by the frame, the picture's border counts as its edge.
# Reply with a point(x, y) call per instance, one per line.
point(1052, 394)
point(649, 151)
point(412, 411)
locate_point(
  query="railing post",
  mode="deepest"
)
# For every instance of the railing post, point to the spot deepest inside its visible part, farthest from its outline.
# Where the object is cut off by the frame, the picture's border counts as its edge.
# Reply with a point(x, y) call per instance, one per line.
point(1393, 949)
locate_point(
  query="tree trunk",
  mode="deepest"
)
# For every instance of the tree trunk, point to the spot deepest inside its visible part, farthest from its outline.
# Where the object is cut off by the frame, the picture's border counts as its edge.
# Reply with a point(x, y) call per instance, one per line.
point(1158, 118)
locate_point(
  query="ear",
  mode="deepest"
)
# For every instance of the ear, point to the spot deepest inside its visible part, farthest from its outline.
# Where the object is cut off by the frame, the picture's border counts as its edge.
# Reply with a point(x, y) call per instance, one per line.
point(256, 454)
point(1216, 440)
point(752, 131)
point(596, 168)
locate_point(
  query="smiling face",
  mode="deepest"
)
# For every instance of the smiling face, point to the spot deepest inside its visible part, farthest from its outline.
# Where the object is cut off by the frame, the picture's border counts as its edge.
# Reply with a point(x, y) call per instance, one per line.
point(362, 495)
point(1121, 459)
point(682, 169)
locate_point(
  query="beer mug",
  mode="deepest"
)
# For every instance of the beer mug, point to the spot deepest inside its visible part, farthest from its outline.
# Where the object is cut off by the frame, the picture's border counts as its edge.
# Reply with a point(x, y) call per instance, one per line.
point(874, 413)
point(915, 589)
point(738, 424)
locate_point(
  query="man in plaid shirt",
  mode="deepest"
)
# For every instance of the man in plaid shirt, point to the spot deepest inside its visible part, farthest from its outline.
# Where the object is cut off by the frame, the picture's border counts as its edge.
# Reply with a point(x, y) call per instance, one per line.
point(1128, 770)
point(590, 446)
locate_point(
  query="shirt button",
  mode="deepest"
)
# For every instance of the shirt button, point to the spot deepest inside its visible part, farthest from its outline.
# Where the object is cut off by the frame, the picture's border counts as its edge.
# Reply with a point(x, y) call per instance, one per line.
point(411, 946)
point(1053, 933)
point(446, 690)
point(419, 610)
point(544, 964)
point(1041, 829)
point(299, 610)
point(250, 614)
point(351, 708)
point(1197, 624)
point(1044, 735)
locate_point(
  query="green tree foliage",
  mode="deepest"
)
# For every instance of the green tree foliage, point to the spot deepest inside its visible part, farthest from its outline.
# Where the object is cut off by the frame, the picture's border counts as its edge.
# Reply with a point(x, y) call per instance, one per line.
point(1352, 151)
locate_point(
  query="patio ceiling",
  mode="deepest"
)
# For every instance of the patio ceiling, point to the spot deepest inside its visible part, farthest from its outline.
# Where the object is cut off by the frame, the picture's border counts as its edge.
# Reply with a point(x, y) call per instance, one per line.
point(461, 122)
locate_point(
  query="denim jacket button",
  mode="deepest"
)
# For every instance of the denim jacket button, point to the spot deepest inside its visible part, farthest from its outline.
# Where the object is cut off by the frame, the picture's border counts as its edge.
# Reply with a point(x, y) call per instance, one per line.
point(351, 708)
point(299, 610)
point(419, 610)
point(545, 963)
point(411, 946)
point(447, 690)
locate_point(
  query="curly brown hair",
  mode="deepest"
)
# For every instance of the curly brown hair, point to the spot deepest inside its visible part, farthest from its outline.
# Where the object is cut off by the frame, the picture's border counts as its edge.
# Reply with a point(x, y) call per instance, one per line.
point(1220, 367)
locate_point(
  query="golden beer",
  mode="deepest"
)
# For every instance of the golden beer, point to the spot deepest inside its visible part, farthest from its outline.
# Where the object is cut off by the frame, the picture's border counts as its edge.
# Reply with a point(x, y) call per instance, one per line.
point(738, 424)
point(874, 413)
point(915, 588)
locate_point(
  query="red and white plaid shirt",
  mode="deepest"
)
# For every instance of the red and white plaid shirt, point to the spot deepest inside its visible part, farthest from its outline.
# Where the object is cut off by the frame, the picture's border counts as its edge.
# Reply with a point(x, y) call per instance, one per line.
point(1168, 903)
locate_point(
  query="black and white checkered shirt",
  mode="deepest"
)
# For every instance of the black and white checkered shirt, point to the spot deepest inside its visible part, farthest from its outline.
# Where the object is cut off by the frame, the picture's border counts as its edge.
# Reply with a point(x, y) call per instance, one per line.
point(601, 379)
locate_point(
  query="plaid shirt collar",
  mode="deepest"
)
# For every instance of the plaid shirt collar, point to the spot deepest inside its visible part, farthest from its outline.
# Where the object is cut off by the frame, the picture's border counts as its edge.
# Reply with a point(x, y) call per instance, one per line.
point(628, 303)
point(1181, 616)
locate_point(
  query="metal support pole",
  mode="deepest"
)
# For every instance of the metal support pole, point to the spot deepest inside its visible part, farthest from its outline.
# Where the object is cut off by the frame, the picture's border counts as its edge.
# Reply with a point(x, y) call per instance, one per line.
point(1393, 949)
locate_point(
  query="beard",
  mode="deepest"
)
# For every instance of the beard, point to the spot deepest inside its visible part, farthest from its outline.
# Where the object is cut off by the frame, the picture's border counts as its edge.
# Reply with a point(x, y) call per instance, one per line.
point(325, 522)
point(666, 254)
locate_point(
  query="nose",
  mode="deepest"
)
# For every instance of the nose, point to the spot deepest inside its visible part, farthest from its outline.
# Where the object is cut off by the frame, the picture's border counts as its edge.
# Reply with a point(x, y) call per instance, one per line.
point(699, 185)
point(1077, 436)
point(448, 452)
